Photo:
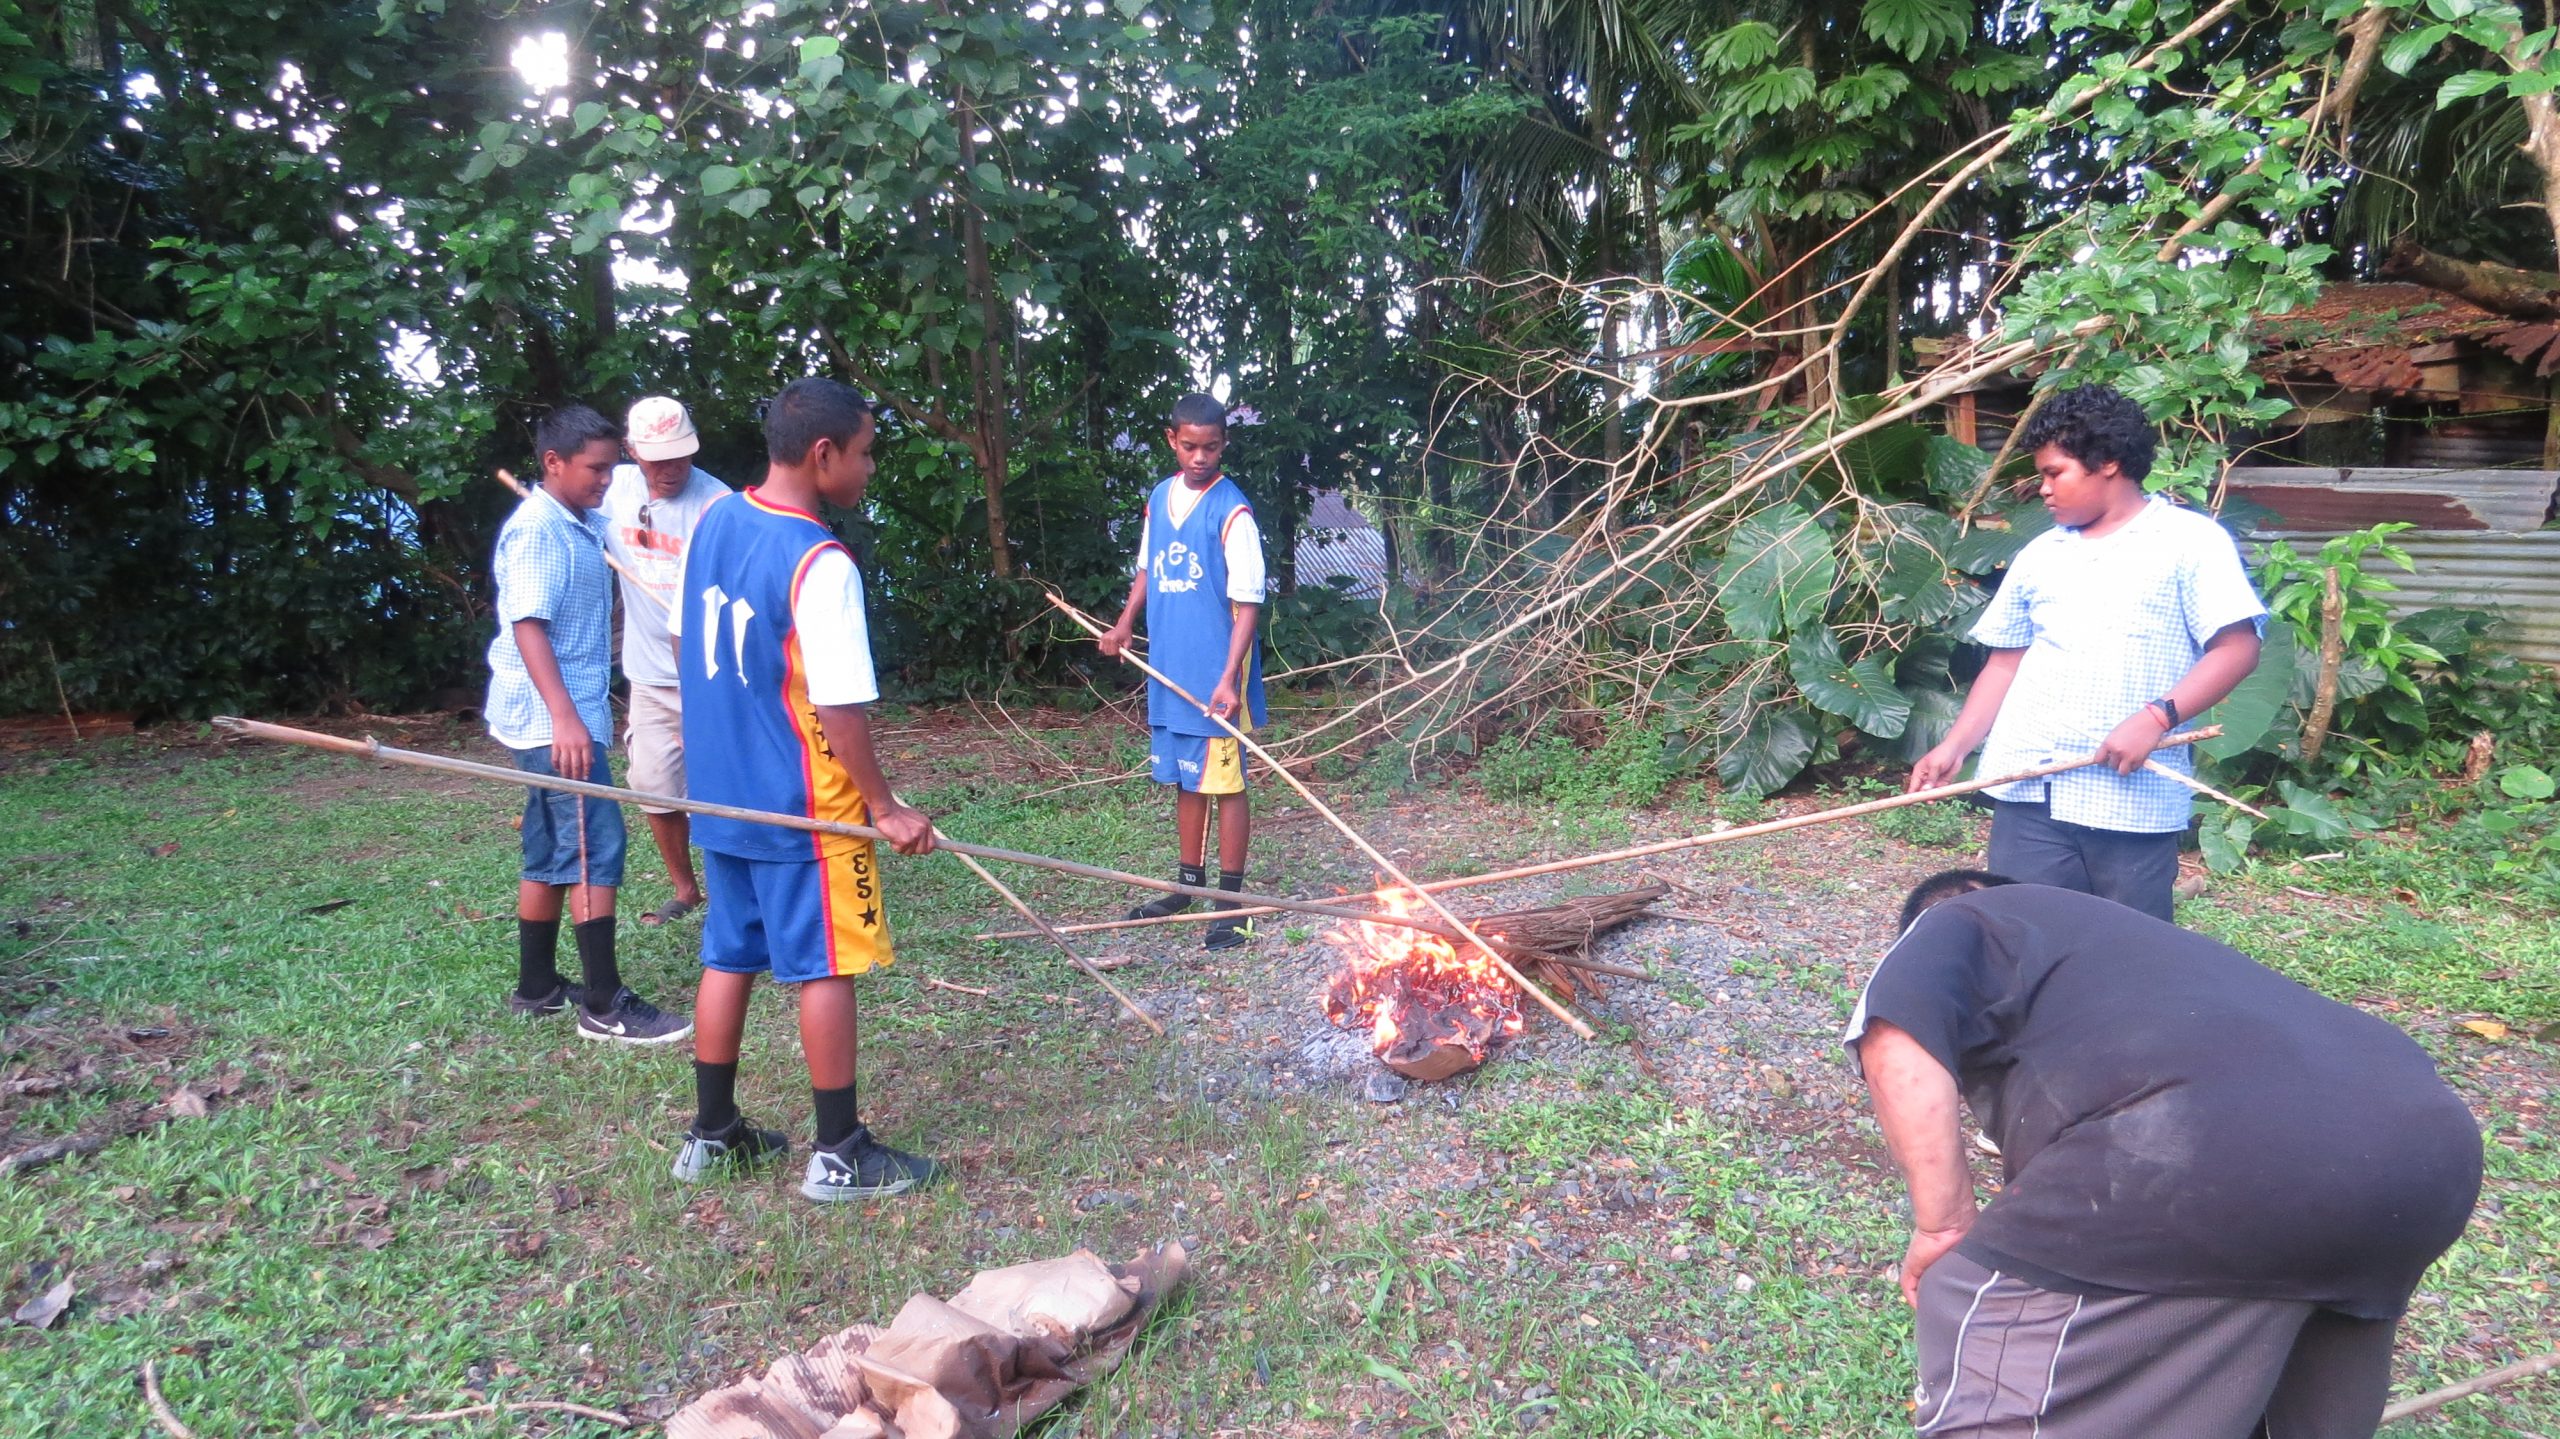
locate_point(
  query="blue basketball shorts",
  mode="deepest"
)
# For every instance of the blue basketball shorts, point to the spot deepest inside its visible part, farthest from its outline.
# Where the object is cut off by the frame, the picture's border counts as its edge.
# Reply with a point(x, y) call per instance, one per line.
point(1199, 763)
point(799, 919)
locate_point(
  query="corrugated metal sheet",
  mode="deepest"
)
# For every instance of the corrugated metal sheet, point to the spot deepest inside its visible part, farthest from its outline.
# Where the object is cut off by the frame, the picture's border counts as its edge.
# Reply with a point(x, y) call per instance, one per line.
point(2516, 576)
point(2438, 499)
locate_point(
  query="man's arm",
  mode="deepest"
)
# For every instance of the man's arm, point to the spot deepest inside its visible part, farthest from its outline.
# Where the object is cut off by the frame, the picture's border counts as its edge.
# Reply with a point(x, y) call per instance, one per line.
point(2228, 659)
point(1117, 638)
point(848, 732)
point(1915, 1101)
point(1981, 706)
point(572, 749)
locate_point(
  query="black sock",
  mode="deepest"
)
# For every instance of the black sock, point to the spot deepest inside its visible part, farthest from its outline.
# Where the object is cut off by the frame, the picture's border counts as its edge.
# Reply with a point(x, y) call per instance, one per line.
point(715, 1096)
point(836, 1116)
point(596, 962)
point(1229, 880)
point(1165, 904)
point(537, 957)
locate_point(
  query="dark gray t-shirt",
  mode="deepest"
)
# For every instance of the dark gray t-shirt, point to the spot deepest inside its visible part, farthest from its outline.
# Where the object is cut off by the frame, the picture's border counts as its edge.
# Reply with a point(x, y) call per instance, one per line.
point(2174, 1118)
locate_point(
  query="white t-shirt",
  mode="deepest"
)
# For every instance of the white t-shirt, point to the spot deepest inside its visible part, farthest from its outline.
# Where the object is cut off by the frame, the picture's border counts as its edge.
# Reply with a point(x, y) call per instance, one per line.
point(655, 553)
point(835, 639)
point(1245, 578)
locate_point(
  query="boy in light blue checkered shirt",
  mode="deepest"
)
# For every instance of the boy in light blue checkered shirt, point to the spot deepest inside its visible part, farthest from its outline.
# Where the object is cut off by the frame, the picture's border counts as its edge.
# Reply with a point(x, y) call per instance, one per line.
point(2125, 621)
point(551, 704)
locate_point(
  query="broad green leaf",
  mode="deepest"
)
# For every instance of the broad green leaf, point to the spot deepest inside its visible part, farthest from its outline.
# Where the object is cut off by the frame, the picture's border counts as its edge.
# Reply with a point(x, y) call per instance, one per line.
point(587, 116)
point(1918, 585)
point(2468, 84)
point(1777, 573)
point(1862, 693)
point(1775, 745)
point(1772, 91)
point(2225, 841)
point(1918, 28)
point(2526, 782)
point(1952, 467)
point(1984, 548)
point(721, 179)
point(2309, 814)
point(2251, 710)
point(1739, 47)
point(1933, 713)
point(2404, 50)
point(818, 46)
point(749, 200)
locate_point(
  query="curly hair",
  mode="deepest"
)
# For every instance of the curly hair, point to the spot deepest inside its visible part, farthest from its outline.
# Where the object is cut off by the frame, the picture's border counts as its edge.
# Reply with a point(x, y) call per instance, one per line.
point(2094, 425)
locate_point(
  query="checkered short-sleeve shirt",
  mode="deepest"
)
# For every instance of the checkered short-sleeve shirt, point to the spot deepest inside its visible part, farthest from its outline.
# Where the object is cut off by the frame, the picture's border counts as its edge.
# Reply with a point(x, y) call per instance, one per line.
point(550, 567)
point(2108, 625)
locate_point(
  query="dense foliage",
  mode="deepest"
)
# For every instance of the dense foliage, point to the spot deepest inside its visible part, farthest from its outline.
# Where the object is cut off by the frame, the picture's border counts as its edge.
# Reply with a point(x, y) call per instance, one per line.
point(1540, 282)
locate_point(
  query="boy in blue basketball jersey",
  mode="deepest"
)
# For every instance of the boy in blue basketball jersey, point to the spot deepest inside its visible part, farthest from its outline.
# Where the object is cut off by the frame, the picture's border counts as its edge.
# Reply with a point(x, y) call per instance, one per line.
point(774, 660)
point(1200, 582)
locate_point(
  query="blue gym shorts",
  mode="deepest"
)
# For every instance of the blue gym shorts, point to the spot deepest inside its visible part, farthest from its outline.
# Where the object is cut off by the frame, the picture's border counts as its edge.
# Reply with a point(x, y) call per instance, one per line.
point(1201, 764)
point(569, 838)
point(801, 919)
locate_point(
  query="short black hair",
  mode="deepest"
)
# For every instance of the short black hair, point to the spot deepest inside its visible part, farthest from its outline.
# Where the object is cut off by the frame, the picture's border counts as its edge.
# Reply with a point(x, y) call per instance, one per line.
point(1199, 409)
point(1941, 887)
point(808, 411)
point(569, 429)
point(2095, 424)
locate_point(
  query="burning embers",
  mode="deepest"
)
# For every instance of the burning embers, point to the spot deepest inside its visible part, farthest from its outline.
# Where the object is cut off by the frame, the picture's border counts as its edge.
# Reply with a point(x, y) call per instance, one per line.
point(1429, 1012)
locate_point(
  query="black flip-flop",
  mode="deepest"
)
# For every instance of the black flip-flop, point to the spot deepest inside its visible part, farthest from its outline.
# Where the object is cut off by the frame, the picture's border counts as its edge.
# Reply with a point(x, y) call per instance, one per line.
point(670, 912)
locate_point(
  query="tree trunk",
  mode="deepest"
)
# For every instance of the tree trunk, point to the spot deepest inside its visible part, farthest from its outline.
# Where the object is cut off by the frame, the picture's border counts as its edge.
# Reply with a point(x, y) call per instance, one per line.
point(2525, 294)
point(990, 440)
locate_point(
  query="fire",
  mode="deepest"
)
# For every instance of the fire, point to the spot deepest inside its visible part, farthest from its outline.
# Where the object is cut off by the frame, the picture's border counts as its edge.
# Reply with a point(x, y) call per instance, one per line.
point(1416, 994)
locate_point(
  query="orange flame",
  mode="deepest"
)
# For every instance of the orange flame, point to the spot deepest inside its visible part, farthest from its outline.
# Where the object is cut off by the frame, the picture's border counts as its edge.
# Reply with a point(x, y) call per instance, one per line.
point(1408, 986)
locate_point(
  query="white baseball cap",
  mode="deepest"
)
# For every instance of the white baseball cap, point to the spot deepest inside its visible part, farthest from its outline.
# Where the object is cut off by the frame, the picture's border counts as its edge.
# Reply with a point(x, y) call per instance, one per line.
point(661, 430)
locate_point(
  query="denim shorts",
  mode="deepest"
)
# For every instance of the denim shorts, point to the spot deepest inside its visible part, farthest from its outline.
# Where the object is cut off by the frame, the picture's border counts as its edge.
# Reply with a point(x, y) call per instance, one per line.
point(569, 838)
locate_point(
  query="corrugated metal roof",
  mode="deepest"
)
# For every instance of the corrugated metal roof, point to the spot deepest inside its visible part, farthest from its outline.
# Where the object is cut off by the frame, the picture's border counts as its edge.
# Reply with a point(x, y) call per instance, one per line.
point(2439, 499)
point(2516, 576)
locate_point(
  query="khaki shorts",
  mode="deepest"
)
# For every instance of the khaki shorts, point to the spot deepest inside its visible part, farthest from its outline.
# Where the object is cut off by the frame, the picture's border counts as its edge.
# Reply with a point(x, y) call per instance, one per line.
point(657, 742)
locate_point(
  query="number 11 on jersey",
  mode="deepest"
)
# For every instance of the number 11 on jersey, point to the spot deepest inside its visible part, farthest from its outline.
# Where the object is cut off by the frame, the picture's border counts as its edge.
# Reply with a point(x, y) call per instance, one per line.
point(714, 600)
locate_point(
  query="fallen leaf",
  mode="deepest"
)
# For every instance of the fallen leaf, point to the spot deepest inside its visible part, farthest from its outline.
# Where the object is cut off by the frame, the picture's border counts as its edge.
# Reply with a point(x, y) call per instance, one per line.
point(2495, 975)
point(525, 1245)
point(331, 906)
point(2486, 1028)
point(372, 1237)
point(41, 1311)
point(366, 1206)
point(34, 1084)
point(426, 1177)
point(343, 1170)
point(187, 1104)
point(162, 851)
point(565, 1197)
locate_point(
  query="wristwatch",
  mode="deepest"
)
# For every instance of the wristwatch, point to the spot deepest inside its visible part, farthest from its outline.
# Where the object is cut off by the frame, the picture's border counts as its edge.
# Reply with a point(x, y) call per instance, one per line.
point(2168, 709)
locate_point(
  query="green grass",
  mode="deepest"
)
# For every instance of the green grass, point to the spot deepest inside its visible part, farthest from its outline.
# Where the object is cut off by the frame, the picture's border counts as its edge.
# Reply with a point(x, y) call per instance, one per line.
point(353, 1228)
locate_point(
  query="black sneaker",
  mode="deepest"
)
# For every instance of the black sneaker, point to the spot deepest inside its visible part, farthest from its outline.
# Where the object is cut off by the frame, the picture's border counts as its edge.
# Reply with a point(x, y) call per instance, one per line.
point(864, 1168)
point(633, 1020)
point(1165, 904)
point(562, 996)
point(740, 1146)
point(1228, 933)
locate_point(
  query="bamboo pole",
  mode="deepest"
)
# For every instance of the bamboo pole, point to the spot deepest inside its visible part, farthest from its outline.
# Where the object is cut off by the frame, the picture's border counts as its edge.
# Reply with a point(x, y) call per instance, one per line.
point(376, 750)
point(1394, 871)
point(1005, 893)
point(1695, 841)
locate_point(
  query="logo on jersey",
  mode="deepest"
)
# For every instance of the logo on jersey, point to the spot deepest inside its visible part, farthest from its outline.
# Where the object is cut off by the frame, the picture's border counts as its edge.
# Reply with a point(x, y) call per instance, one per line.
point(1177, 569)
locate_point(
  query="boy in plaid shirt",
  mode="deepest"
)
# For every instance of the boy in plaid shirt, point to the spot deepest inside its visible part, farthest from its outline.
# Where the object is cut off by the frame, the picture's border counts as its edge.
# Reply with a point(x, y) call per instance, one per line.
point(550, 703)
point(2125, 621)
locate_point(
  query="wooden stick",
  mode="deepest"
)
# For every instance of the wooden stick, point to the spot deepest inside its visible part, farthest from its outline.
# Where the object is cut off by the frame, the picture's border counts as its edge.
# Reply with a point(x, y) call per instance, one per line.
point(165, 1416)
point(1069, 950)
point(522, 493)
point(374, 749)
point(2435, 1399)
point(2200, 787)
point(1695, 841)
point(515, 1406)
point(1394, 871)
point(932, 983)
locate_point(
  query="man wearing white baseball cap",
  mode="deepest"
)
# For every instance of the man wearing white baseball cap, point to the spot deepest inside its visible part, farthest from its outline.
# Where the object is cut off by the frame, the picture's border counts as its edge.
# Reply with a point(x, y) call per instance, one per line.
point(650, 511)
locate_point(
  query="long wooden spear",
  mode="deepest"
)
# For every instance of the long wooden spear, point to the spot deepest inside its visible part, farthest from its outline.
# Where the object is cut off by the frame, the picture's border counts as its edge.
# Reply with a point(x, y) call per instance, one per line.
point(1666, 846)
point(376, 750)
point(1447, 915)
